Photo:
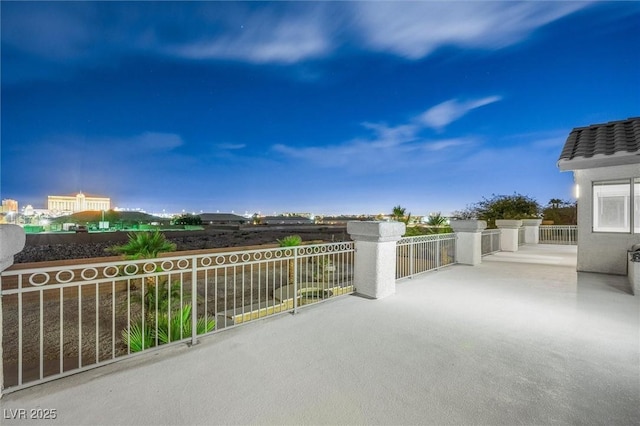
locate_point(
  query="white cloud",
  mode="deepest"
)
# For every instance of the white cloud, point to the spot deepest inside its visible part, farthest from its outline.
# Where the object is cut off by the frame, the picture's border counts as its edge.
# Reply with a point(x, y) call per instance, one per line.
point(89, 33)
point(441, 115)
point(154, 141)
point(263, 40)
point(415, 29)
point(446, 143)
point(391, 136)
point(231, 146)
point(389, 147)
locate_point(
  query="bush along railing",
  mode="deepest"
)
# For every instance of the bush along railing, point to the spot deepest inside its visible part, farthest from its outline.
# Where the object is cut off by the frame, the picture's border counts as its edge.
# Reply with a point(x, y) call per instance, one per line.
point(558, 234)
point(415, 255)
point(490, 241)
point(61, 320)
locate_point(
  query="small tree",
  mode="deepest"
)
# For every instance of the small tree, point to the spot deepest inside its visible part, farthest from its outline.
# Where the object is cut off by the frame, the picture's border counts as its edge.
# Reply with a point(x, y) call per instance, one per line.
point(437, 221)
point(159, 298)
point(290, 241)
point(188, 219)
point(400, 214)
point(561, 212)
point(514, 206)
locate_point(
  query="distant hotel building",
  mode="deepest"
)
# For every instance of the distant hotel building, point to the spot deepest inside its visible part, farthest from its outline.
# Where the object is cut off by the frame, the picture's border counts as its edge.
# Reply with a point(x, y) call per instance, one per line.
point(65, 204)
point(9, 206)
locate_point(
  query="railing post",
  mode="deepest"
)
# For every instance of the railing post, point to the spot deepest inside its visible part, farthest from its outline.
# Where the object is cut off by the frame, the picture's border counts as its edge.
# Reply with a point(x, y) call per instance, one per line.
point(508, 234)
point(295, 280)
point(412, 261)
point(374, 272)
point(12, 240)
point(468, 240)
point(194, 300)
point(531, 230)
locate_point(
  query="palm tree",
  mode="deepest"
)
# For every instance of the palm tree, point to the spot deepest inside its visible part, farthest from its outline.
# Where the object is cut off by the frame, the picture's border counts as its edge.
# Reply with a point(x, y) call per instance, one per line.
point(147, 245)
point(144, 245)
point(290, 241)
point(555, 203)
point(398, 213)
point(437, 221)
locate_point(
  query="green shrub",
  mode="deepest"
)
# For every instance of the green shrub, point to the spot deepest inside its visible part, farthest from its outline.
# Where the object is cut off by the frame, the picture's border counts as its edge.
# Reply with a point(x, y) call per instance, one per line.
point(144, 245)
point(138, 337)
point(169, 330)
point(290, 241)
point(179, 326)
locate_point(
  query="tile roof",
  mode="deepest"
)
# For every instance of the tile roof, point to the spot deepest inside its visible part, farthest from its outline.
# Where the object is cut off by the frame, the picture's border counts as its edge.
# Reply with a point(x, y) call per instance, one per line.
point(598, 145)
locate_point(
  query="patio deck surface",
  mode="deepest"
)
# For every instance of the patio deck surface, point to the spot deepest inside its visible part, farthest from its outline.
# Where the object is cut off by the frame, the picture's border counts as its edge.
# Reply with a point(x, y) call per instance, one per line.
point(520, 339)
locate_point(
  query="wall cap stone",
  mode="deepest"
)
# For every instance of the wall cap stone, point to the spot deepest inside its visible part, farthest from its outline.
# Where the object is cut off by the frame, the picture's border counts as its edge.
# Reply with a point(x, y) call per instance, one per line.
point(375, 231)
point(508, 223)
point(468, 225)
point(531, 222)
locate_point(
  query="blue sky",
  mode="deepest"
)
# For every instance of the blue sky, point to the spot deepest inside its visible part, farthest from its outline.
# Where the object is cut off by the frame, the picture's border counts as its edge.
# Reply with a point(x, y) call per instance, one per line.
point(322, 107)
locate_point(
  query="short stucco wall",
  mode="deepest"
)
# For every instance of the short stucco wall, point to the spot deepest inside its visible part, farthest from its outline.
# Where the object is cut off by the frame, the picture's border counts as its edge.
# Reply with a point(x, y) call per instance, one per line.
point(602, 252)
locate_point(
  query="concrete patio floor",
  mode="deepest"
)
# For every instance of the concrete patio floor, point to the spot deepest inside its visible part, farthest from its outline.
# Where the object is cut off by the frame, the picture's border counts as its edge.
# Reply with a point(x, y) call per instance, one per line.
point(520, 339)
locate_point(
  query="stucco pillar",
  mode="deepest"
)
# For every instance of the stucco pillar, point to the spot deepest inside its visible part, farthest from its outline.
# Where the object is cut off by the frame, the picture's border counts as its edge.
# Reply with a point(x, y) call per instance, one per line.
point(374, 272)
point(12, 239)
point(531, 230)
point(468, 240)
point(508, 233)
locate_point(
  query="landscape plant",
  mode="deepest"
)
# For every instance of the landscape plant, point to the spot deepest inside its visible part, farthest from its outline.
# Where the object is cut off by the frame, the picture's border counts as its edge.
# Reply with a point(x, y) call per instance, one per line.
point(168, 328)
point(187, 219)
point(144, 245)
point(158, 297)
point(324, 268)
point(516, 206)
point(561, 212)
point(290, 241)
point(400, 214)
point(437, 223)
point(163, 316)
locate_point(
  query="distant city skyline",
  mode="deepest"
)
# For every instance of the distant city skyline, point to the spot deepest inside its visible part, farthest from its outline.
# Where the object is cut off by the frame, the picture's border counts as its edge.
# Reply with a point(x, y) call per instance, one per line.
point(321, 107)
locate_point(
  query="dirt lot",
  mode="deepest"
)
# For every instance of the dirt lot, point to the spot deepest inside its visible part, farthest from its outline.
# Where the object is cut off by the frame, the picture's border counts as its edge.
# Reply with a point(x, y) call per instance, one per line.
point(55, 338)
point(46, 247)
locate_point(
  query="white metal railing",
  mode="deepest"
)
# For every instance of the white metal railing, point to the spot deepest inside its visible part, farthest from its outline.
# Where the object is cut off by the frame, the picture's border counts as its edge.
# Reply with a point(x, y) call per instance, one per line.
point(558, 234)
point(415, 255)
point(66, 319)
point(490, 242)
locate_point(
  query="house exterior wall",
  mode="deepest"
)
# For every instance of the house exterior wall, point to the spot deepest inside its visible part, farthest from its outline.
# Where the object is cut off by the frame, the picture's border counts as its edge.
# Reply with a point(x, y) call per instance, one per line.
point(604, 252)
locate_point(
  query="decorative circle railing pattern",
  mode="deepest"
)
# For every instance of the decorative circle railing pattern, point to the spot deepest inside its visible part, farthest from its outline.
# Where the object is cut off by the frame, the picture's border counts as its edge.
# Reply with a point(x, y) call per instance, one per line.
point(131, 269)
point(426, 238)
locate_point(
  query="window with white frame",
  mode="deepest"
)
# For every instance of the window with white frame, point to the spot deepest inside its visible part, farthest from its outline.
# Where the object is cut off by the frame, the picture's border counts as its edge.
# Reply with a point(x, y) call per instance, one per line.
point(616, 206)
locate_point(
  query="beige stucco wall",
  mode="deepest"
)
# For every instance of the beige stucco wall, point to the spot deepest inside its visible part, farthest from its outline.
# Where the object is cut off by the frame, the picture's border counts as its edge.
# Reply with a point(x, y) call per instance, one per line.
point(601, 252)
